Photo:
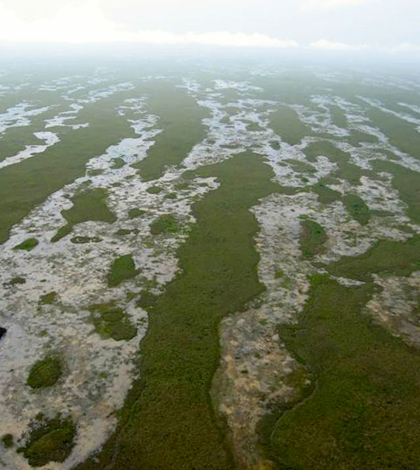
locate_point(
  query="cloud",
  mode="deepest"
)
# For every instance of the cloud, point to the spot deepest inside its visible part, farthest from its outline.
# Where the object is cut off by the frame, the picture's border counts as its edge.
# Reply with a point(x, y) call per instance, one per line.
point(87, 23)
point(325, 45)
point(404, 47)
point(330, 4)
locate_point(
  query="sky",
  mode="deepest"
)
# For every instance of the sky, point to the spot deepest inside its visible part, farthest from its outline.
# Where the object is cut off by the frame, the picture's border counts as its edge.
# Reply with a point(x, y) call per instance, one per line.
point(386, 26)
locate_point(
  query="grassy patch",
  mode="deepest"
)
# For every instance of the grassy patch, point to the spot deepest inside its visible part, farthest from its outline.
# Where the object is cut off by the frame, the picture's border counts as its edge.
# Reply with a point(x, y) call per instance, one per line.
point(8, 441)
point(27, 184)
point(45, 373)
point(154, 190)
point(80, 240)
point(134, 213)
point(117, 163)
point(407, 183)
point(48, 299)
point(396, 258)
point(346, 170)
point(88, 205)
point(27, 245)
point(52, 441)
point(300, 167)
point(164, 224)
point(122, 269)
point(16, 281)
point(357, 208)
point(286, 123)
point(367, 394)
point(325, 194)
point(312, 238)
point(402, 134)
point(112, 322)
point(181, 120)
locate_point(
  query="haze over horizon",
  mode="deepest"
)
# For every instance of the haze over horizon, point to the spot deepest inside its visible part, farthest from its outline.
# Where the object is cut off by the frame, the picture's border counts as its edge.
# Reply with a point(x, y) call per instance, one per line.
point(351, 26)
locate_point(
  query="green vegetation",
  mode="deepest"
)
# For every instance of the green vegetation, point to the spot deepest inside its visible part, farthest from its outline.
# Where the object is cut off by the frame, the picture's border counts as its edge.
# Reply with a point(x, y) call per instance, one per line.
point(45, 372)
point(396, 258)
point(300, 167)
point(88, 205)
point(48, 299)
point(134, 213)
point(402, 134)
point(51, 442)
point(25, 185)
point(164, 224)
point(339, 118)
point(357, 208)
point(312, 238)
point(325, 194)
point(17, 280)
point(112, 322)
point(122, 269)
point(147, 300)
point(367, 388)
point(80, 240)
point(117, 163)
point(181, 121)
point(286, 123)
point(346, 170)
point(407, 183)
point(124, 231)
point(27, 245)
point(169, 421)
point(8, 441)
point(154, 190)
point(358, 137)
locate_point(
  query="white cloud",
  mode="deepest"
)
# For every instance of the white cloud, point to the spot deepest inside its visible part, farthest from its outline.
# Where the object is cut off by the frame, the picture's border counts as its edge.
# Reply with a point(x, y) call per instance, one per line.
point(325, 45)
point(404, 47)
point(88, 23)
point(329, 4)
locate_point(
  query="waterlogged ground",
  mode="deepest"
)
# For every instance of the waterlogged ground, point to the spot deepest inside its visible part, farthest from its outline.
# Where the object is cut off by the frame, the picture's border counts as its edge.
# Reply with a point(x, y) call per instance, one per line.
point(209, 268)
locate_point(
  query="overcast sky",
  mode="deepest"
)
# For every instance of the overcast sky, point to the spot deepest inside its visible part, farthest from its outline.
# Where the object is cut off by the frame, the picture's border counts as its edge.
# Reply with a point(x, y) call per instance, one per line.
point(349, 25)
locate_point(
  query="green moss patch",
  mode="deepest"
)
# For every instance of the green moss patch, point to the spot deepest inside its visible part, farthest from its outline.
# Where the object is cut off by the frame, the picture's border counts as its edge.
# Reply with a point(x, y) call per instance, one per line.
point(312, 238)
point(16, 281)
point(325, 194)
point(112, 322)
point(88, 205)
point(45, 372)
point(27, 245)
point(164, 224)
point(122, 269)
point(52, 441)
